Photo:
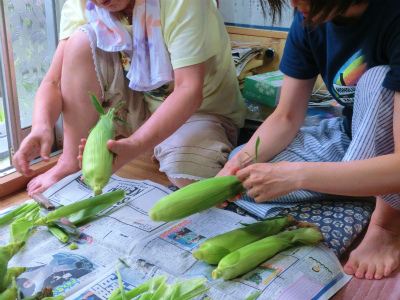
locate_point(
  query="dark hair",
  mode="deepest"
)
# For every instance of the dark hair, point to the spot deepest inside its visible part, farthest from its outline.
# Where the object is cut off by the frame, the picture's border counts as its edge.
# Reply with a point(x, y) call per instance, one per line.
point(320, 8)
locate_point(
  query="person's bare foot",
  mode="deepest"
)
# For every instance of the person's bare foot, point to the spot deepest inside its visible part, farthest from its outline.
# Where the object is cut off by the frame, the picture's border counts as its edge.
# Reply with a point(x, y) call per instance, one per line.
point(42, 182)
point(378, 254)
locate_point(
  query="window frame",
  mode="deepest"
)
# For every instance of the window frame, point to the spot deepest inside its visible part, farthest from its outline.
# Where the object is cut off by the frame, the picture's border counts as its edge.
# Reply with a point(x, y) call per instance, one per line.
point(16, 134)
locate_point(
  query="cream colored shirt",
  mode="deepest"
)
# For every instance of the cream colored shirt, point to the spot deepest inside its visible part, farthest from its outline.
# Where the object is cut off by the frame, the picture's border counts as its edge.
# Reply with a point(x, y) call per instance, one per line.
point(194, 32)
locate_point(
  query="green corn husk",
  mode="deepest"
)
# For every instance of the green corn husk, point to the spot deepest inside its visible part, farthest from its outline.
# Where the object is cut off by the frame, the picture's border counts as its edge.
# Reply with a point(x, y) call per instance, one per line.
point(214, 249)
point(13, 272)
point(10, 293)
point(58, 233)
point(73, 246)
point(6, 253)
point(141, 288)
point(59, 297)
point(249, 257)
point(196, 197)
point(22, 209)
point(158, 289)
point(83, 209)
point(254, 296)
point(97, 159)
point(20, 227)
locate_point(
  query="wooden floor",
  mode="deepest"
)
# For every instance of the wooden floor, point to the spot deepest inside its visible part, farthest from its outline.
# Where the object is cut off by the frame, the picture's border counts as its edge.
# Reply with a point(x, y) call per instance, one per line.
point(141, 168)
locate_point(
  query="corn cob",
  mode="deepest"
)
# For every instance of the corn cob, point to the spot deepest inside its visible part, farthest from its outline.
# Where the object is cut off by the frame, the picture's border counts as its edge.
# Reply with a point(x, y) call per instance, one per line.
point(6, 253)
point(249, 257)
point(11, 293)
point(87, 205)
point(196, 197)
point(97, 159)
point(11, 273)
point(214, 249)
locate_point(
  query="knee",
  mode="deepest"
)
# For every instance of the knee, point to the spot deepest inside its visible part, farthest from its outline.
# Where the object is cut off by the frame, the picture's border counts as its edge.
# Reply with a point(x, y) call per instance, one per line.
point(78, 50)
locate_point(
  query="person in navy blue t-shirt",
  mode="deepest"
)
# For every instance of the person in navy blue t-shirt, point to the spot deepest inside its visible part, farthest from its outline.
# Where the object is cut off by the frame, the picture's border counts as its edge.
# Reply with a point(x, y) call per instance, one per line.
point(355, 46)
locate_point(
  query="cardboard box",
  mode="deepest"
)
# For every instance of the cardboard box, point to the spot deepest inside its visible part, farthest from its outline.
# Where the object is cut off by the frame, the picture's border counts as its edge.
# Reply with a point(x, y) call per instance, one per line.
point(264, 88)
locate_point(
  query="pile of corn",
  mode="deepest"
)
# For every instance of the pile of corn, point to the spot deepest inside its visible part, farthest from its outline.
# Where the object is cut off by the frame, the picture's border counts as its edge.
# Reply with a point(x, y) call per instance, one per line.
point(242, 250)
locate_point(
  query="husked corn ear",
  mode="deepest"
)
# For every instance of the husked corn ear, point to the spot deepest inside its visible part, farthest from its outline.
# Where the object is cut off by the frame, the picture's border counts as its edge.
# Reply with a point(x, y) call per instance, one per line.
point(249, 257)
point(214, 249)
point(97, 159)
point(196, 197)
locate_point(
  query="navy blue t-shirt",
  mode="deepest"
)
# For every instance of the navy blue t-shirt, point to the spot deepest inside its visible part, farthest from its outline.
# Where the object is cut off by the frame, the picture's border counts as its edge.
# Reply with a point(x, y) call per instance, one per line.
point(342, 54)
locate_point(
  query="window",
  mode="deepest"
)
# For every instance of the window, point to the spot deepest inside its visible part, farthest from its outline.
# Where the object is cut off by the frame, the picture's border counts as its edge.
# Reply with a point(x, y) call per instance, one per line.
point(28, 39)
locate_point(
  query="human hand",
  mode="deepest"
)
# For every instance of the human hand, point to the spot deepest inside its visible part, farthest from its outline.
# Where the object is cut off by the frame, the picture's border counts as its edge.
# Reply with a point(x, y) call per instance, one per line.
point(37, 143)
point(267, 181)
point(122, 150)
point(229, 169)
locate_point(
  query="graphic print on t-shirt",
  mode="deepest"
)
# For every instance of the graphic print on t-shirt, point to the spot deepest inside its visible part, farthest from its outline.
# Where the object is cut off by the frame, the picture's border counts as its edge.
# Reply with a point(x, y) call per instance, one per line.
point(345, 81)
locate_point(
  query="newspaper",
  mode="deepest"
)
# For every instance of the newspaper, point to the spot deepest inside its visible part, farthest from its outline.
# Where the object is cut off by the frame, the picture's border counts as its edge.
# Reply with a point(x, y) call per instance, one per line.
point(125, 232)
point(241, 56)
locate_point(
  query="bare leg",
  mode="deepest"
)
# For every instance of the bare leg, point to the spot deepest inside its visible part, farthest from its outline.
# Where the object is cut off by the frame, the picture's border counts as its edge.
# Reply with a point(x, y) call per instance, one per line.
point(79, 116)
point(378, 254)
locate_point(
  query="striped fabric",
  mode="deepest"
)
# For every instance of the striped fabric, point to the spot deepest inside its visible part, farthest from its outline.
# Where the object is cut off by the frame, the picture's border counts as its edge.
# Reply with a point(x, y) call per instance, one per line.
point(372, 131)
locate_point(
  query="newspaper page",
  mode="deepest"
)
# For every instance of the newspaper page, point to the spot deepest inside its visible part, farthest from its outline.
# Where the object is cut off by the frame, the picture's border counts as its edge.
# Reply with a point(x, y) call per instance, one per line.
point(106, 238)
point(304, 272)
point(124, 231)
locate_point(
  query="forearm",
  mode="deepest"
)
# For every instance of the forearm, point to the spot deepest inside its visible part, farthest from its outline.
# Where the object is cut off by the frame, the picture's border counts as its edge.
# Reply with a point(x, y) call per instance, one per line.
point(279, 129)
point(48, 105)
point(48, 100)
point(171, 115)
point(276, 133)
point(368, 177)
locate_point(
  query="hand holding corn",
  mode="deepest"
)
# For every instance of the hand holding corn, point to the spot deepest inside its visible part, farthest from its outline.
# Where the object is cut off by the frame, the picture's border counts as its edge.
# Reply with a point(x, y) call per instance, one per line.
point(97, 159)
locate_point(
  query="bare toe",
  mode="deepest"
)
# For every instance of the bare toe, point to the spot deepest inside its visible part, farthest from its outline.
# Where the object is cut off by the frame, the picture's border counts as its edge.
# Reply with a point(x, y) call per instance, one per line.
point(370, 272)
point(379, 271)
point(362, 268)
point(348, 269)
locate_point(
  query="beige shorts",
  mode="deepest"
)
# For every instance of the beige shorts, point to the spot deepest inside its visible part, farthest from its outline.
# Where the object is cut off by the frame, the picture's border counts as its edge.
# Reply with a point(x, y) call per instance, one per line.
point(197, 150)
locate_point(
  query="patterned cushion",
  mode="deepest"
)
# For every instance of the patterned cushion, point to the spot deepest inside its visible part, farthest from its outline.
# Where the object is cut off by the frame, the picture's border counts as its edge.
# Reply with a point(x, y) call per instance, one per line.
point(340, 221)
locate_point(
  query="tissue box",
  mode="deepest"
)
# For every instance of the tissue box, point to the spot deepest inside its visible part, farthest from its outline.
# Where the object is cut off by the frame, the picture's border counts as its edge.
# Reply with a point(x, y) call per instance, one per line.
point(264, 88)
